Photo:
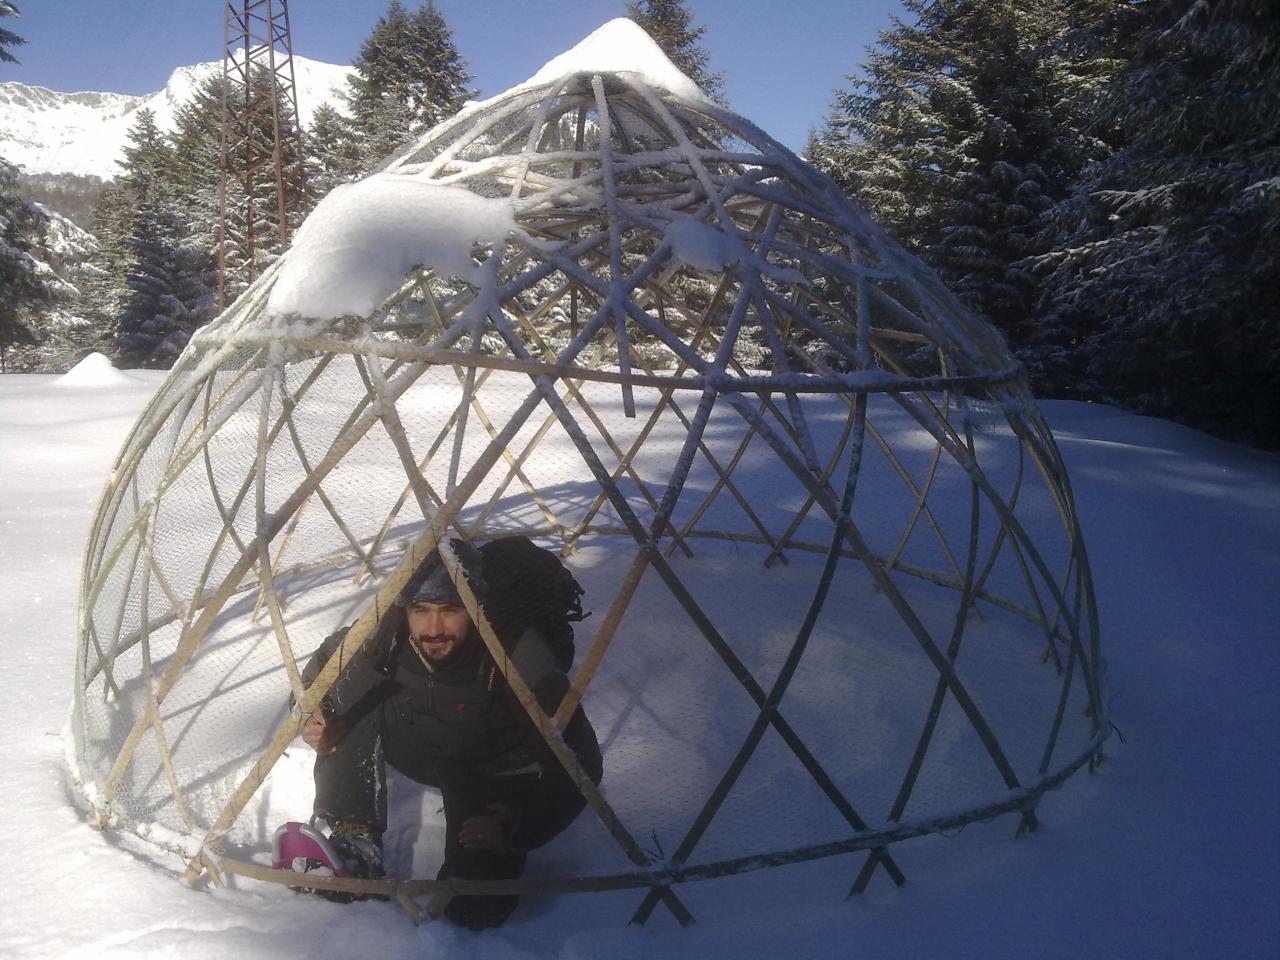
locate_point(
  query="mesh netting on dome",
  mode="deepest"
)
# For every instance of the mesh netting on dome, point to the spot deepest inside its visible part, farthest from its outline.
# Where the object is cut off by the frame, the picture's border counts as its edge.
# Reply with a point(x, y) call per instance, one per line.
point(829, 542)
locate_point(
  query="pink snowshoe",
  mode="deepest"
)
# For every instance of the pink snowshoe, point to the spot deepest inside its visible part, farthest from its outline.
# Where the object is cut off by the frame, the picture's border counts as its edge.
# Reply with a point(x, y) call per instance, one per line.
point(295, 841)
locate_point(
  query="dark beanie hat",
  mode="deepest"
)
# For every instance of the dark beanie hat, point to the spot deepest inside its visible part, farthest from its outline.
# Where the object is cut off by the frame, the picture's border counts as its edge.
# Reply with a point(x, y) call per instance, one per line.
point(431, 583)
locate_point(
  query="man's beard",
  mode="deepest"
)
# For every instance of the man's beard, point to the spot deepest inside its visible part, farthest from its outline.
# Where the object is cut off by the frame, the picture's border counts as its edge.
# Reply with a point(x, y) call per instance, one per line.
point(459, 644)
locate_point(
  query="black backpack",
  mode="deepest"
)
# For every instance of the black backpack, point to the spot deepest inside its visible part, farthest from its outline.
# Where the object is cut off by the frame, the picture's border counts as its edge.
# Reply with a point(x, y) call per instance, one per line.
point(529, 586)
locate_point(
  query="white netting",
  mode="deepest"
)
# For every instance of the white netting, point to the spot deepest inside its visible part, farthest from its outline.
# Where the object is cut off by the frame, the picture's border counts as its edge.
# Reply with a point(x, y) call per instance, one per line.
point(669, 362)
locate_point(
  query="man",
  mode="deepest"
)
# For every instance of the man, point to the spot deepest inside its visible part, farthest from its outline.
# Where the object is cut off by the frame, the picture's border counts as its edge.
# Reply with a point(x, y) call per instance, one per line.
point(424, 695)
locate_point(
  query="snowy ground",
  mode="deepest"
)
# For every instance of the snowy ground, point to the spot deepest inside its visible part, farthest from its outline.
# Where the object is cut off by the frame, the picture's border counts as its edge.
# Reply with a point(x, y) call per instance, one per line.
point(1172, 850)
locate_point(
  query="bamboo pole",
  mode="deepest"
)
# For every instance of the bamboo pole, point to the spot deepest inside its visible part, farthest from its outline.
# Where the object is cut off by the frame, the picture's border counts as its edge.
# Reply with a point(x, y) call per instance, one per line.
point(953, 651)
point(785, 540)
point(108, 658)
point(176, 466)
point(615, 245)
point(265, 578)
point(723, 481)
point(574, 390)
point(289, 406)
point(152, 707)
point(625, 463)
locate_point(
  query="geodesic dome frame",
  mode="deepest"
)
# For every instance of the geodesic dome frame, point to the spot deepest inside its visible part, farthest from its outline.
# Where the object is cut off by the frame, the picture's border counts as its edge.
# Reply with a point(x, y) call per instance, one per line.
point(648, 273)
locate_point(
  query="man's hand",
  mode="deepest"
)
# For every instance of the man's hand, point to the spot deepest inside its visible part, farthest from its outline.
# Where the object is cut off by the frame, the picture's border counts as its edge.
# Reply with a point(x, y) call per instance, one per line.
point(321, 733)
point(486, 832)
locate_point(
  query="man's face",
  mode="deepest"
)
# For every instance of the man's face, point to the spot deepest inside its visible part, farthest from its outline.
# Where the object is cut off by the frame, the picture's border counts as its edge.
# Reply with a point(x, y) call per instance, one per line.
point(438, 628)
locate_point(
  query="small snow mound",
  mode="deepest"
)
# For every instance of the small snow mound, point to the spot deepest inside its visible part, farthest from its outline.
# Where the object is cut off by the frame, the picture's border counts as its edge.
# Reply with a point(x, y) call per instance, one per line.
point(361, 241)
point(95, 370)
point(620, 46)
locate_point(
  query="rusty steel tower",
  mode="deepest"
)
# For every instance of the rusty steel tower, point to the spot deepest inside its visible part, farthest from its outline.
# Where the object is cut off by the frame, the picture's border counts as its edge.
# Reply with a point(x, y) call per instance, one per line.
point(261, 159)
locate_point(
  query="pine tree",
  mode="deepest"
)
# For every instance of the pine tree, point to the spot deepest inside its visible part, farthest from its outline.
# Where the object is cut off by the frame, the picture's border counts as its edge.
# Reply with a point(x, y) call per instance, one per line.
point(409, 77)
point(150, 282)
point(147, 162)
point(24, 280)
point(671, 27)
point(192, 170)
point(1160, 291)
point(965, 129)
point(7, 37)
point(333, 157)
point(170, 291)
point(102, 286)
point(63, 336)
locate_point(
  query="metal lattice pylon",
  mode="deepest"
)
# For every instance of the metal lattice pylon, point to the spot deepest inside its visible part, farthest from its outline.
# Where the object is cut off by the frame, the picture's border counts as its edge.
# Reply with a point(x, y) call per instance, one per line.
point(844, 596)
point(261, 158)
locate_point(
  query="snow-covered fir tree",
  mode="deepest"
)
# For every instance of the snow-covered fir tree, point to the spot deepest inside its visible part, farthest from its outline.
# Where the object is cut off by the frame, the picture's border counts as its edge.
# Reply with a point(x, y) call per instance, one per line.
point(102, 287)
point(409, 77)
point(965, 128)
point(1160, 291)
point(150, 282)
point(7, 37)
point(170, 191)
point(333, 156)
point(192, 171)
point(670, 24)
point(64, 335)
point(171, 294)
point(26, 282)
point(146, 161)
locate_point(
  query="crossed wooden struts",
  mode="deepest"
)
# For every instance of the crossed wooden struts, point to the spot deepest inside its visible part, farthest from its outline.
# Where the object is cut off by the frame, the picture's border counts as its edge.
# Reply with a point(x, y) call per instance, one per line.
point(837, 308)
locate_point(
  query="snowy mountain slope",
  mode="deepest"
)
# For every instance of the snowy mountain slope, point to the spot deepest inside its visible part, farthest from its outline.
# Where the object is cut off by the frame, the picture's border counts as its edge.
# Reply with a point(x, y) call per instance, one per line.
point(44, 131)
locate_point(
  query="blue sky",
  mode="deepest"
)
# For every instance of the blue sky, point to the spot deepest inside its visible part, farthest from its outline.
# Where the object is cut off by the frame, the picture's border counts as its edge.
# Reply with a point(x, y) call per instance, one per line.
point(781, 58)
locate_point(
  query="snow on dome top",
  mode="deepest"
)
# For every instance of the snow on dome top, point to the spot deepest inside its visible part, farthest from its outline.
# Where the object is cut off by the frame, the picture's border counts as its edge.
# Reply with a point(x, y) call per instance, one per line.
point(620, 46)
point(361, 241)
